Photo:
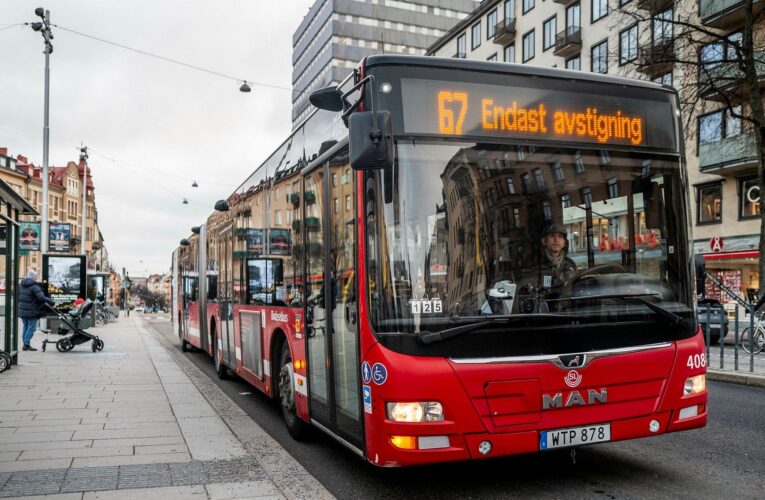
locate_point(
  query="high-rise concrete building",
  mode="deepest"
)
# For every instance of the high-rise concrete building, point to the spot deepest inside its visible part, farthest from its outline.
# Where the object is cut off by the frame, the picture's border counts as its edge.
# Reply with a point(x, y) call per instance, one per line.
point(639, 39)
point(336, 34)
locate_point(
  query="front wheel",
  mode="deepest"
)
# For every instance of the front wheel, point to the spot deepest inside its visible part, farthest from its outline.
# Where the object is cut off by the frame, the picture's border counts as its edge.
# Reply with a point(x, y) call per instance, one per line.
point(296, 427)
point(758, 342)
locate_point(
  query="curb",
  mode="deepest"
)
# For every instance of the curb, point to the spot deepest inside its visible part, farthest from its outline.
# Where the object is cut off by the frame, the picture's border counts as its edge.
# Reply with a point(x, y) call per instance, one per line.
point(737, 378)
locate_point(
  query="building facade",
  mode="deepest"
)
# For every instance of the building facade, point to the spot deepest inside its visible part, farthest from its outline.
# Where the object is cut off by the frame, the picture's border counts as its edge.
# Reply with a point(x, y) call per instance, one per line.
point(64, 206)
point(336, 34)
point(644, 39)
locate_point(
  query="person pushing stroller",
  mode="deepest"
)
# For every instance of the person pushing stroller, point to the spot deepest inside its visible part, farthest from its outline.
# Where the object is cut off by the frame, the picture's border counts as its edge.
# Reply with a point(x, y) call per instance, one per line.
point(32, 302)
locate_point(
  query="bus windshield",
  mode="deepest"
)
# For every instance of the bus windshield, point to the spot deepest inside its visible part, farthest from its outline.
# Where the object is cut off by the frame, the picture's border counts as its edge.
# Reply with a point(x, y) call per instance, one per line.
point(462, 233)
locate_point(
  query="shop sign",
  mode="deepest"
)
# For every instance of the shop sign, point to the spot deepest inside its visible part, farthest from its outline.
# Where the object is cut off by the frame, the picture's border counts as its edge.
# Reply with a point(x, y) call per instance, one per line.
point(753, 194)
point(716, 244)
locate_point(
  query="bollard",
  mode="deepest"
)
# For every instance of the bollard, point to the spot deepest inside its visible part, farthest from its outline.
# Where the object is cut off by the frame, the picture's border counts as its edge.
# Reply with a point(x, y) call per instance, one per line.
point(751, 340)
point(707, 336)
point(735, 343)
point(722, 342)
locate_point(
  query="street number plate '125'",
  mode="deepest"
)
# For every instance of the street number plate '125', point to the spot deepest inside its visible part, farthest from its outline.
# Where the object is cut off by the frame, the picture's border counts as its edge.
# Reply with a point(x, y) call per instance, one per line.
point(574, 436)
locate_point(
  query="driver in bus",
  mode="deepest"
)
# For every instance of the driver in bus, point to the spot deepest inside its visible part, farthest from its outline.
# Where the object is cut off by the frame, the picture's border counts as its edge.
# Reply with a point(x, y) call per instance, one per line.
point(556, 267)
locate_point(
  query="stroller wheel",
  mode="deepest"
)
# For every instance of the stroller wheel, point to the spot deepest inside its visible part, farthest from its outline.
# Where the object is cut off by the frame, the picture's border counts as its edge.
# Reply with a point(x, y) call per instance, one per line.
point(5, 361)
point(97, 345)
point(64, 345)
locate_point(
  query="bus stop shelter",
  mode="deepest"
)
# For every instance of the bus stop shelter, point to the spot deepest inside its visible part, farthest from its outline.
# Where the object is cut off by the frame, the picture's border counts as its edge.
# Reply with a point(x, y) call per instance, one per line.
point(12, 207)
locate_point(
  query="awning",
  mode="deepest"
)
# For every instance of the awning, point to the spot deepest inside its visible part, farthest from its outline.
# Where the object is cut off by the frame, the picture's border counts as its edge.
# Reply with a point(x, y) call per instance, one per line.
point(731, 255)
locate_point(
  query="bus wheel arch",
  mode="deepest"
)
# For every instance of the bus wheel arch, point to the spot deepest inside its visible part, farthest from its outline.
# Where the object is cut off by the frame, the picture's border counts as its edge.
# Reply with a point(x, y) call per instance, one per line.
point(297, 428)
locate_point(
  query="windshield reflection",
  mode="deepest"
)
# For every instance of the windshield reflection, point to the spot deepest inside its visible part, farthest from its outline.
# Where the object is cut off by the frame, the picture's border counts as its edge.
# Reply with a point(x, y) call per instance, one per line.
point(463, 231)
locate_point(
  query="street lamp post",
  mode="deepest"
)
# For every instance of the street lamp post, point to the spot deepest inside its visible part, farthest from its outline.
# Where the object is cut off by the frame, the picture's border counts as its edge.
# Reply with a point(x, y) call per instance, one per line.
point(84, 161)
point(44, 28)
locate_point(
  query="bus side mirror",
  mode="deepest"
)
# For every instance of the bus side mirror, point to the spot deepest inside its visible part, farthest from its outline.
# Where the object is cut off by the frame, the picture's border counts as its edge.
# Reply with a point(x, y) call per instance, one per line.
point(370, 140)
point(701, 273)
point(328, 98)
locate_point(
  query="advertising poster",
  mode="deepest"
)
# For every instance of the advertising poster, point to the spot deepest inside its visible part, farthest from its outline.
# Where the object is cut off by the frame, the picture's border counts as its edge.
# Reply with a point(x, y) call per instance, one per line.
point(280, 242)
point(255, 241)
point(60, 234)
point(64, 277)
point(29, 236)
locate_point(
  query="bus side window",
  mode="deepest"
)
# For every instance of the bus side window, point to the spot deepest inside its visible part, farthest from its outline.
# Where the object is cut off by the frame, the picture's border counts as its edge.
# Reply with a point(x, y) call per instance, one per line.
point(212, 288)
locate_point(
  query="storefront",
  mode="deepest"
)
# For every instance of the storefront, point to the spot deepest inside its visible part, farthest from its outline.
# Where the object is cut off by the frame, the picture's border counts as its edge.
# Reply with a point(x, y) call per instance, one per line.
point(734, 261)
point(12, 207)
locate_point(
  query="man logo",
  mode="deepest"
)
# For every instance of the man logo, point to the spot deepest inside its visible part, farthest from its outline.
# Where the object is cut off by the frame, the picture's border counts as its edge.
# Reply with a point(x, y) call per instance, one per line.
point(573, 379)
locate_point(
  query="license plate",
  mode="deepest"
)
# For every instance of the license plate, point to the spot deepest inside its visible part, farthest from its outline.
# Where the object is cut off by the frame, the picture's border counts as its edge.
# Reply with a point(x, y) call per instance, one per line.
point(574, 436)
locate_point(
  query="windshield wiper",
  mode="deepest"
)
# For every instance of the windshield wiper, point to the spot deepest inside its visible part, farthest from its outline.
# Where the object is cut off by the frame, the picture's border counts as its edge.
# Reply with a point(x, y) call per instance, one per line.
point(669, 316)
point(427, 337)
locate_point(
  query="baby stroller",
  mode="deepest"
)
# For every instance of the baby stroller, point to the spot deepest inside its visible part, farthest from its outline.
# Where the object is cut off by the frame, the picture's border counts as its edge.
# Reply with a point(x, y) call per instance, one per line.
point(71, 324)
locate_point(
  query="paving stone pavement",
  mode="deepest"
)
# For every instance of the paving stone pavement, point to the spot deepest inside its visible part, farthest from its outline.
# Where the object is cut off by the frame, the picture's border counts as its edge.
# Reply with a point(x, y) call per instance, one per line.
point(136, 420)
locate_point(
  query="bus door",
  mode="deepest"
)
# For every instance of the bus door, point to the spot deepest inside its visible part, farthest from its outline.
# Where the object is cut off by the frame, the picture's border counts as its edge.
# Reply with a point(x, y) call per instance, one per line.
point(226, 296)
point(332, 350)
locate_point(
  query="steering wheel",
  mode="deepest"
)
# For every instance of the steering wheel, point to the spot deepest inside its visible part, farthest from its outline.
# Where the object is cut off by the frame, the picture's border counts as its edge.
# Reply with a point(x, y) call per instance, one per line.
point(599, 269)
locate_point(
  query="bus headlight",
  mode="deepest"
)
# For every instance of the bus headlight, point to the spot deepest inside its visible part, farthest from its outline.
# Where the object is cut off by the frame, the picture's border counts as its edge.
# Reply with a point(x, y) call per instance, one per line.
point(428, 411)
point(695, 385)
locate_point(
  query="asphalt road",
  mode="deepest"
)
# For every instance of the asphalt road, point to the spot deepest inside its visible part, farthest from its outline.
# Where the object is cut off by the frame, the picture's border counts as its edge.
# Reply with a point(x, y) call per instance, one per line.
point(724, 460)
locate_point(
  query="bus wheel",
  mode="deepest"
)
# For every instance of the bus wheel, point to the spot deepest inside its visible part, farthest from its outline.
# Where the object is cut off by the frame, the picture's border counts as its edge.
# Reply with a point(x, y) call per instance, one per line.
point(220, 368)
point(184, 346)
point(296, 427)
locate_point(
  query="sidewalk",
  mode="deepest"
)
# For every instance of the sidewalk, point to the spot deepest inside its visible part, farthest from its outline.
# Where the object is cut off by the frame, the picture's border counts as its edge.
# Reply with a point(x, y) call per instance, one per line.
point(136, 420)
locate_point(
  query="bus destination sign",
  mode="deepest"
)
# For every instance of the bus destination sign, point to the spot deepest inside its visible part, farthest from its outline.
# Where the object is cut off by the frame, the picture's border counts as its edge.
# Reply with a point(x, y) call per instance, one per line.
point(471, 109)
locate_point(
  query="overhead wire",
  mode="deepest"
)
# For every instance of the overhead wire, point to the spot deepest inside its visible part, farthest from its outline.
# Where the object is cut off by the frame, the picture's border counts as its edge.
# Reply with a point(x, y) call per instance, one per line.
point(172, 61)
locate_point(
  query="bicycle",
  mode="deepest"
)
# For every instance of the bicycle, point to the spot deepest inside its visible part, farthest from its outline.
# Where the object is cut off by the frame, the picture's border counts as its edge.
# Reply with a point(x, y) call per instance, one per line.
point(758, 340)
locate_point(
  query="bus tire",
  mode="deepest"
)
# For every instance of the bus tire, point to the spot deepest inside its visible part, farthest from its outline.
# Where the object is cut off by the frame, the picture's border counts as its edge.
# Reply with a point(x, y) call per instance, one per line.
point(296, 427)
point(220, 368)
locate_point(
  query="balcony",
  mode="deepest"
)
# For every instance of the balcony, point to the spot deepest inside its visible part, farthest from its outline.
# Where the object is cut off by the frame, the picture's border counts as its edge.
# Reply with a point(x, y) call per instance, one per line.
point(565, 2)
point(504, 32)
point(730, 154)
point(716, 83)
point(725, 14)
point(654, 6)
point(460, 55)
point(656, 59)
point(568, 42)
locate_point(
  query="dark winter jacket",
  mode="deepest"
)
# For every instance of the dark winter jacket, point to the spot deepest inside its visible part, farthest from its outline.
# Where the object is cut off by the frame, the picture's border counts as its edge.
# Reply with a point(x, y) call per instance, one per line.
point(32, 300)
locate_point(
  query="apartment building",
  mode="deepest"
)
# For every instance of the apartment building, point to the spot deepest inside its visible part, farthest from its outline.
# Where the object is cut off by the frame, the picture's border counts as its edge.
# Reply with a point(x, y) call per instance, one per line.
point(336, 34)
point(64, 205)
point(637, 39)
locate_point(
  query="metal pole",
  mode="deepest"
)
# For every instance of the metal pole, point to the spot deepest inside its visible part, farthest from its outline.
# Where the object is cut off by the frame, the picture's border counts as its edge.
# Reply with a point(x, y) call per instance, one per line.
point(84, 159)
point(46, 138)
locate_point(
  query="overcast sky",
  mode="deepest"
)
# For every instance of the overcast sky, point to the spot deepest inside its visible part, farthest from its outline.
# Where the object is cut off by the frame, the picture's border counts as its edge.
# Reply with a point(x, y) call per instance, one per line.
point(152, 127)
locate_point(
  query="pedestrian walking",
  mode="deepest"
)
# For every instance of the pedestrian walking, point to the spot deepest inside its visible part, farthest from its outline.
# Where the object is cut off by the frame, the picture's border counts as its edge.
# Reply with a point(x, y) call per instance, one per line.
point(32, 302)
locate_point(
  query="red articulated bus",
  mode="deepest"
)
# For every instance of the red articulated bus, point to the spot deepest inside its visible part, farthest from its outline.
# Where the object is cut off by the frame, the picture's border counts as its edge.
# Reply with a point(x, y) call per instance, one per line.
point(453, 260)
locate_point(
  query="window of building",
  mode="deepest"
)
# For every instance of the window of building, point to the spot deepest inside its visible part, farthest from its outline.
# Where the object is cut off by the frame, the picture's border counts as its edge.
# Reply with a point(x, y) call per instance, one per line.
point(539, 178)
point(517, 217)
point(719, 125)
point(599, 57)
point(665, 79)
point(509, 9)
point(524, 183)
point(528, 46)
point(491, 24)
point(628, 45)
point(578, 163)
point(749, 198)
point(462, 45)
point(558, 173)
point(278, 217)
point(527, 5)
point(334, 179)
point(548, 33)
point(599, 9)
point(335, 205)
point(510, 185)
point(662, 27)
point(574, 63)
point(546, 210)
point(475, 36)
point(586, 197)
point(714, 53)
point(613, 188)
point(709, 204)
point(573, 17)
point(510, 53)
point(565, 200)
point(347, 202)
point(492, 57)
